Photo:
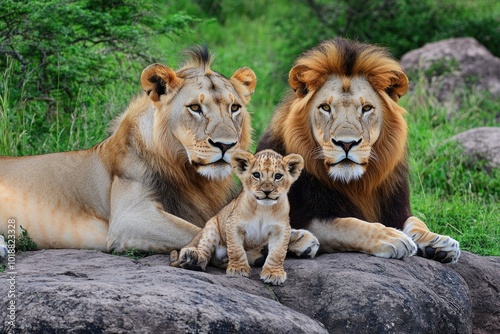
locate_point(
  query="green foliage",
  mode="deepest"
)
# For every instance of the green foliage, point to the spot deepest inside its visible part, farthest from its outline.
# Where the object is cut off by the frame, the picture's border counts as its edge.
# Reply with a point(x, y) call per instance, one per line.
point(24, 242)
point(134, 254)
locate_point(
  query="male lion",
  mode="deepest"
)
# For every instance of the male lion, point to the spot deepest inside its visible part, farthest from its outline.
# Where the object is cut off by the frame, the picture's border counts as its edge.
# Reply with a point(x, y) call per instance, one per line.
point(343, 118)
point(161, 174)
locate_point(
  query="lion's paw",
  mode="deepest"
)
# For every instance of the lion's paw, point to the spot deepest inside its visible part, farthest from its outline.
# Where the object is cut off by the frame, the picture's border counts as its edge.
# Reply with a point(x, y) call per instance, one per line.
point(394, 244)
point(303, 244)
point(442, 248)
point(188, 258)
point(273, 276)
point(238, 270)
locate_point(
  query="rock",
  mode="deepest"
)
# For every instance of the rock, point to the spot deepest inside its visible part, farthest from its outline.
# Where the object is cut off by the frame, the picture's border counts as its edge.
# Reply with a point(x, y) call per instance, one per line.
point(454, 64)
point(481, 144)
point(88, 291)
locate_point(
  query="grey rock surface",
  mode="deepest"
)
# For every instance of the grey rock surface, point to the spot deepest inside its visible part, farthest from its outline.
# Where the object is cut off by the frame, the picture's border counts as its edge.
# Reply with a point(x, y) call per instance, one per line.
point(78, 291)
point(481, 144)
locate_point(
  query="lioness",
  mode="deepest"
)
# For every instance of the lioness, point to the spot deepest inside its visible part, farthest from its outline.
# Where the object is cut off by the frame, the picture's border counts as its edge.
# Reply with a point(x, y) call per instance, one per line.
point(258, 217)
point(342, 115)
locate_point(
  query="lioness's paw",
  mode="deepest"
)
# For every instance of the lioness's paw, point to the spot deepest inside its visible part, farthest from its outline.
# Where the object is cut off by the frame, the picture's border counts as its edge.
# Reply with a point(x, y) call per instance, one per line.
point(394, 244)
point(238, 270)
point(273, 276)
point(189, 259)
point(441, 248)
point(303, 244)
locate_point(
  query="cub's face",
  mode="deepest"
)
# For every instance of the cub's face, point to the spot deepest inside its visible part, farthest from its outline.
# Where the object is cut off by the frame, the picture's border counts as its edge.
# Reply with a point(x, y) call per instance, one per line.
point(346, 118)
point(267, 176)
point(204, 111)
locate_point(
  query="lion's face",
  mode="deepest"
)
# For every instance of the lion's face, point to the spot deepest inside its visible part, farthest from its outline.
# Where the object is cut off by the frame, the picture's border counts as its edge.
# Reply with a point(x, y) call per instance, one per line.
point(205, 113)
point(346, 119)
point(267, 176)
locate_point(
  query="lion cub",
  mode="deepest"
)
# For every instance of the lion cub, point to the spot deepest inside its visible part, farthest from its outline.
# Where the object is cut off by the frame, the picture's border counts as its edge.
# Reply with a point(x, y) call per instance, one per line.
point(259, 216)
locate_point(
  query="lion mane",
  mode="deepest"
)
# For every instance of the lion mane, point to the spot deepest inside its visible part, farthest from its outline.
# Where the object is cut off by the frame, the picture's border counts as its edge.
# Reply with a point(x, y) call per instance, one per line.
point(382, 193)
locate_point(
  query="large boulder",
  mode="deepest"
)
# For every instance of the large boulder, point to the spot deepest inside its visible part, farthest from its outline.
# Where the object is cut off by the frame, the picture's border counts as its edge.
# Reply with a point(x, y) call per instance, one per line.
point(454, 64)
point(80, 291)
point(481, 144)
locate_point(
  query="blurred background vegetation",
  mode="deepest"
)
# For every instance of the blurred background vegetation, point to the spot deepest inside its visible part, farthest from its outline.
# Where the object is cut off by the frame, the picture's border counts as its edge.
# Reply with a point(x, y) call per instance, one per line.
point(70, 66)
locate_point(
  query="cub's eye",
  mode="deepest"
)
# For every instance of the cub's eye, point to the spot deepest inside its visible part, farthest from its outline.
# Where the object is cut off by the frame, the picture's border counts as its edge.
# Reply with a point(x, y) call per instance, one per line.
point(325, 107)
point(278, 176)
point(196, 108)
point(367, 108)
point(235, 107)
point(256, 175)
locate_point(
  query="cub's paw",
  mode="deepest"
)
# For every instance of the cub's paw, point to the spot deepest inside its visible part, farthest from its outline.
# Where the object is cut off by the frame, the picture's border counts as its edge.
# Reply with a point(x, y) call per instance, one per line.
point(238, 270)
point(303, 244)
point(188, 258)
point(393, 244)
point(274, 276)
point(3, 249)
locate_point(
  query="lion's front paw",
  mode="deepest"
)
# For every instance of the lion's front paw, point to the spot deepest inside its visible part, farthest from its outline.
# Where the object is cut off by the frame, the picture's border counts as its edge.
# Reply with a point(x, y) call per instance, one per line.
point(238, 270)
point(274, 276)
point(441, 248)
point(394, 244)
point(188, 258)
point(303, 243)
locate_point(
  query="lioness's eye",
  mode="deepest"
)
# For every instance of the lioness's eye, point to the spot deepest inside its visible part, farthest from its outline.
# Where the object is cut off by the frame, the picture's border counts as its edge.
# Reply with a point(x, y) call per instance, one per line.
point(235, 107)
point(325, 107)
point(256, 175)
point(278, 176)
point(367, 108)
point(195, 108)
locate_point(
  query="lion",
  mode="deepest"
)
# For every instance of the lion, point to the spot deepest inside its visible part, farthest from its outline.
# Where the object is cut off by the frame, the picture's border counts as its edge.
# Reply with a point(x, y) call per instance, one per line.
point(257, 218)
point(342, 115)
point(154, 182)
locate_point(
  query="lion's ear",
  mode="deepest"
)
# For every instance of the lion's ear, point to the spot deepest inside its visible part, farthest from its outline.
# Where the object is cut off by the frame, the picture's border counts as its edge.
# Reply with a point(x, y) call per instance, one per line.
point(302, 79)
point(294, 164)
point(156, 79)
point(241, 160)
point(394, 83)
point(244, 80)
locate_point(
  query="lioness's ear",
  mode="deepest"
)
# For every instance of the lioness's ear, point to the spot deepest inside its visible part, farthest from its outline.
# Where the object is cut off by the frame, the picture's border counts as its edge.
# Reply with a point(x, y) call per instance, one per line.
point(244, 80)
point(394, 83)
point(241, 161)
point(156, 79)
point(294, 164)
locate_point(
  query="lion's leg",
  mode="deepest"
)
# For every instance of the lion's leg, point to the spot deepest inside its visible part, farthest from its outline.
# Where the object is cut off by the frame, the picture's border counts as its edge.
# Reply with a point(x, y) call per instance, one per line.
point(430, 245)
point(303, 243)
point(197, 255)
point(238, 261)
point(273, 271)
point(351, 234)
point(138, 222)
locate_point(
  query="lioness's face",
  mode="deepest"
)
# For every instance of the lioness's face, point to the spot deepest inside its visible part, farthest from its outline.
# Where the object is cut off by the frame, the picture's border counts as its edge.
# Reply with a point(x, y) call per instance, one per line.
point(346, 120)
point(268, 176)
point(206, 114)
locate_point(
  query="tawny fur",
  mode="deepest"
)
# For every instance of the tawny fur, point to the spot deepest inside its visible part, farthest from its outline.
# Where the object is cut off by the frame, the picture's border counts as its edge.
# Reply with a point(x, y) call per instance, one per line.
point(257, 218)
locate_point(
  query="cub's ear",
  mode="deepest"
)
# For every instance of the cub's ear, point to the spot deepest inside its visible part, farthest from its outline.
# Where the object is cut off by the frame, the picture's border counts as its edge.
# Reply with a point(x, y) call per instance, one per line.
point(244, 81)
point(394, 83)
point(241, 160)
point(157, 79)
point(294, 165)
point(302, 79)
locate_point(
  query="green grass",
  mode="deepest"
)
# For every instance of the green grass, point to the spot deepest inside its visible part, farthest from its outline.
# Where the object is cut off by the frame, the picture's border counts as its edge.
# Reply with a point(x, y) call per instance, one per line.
point(451, 195)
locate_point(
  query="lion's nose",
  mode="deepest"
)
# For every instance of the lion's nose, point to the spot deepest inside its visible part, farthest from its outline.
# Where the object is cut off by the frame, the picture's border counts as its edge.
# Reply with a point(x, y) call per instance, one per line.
point(222, 146)
point(346, 146)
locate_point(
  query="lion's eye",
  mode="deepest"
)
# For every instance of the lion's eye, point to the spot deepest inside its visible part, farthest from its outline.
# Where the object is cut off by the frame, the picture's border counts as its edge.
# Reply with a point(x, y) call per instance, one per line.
point(196, 108)
point(235, 107)
point(325, 107)
point(256, 175)
point(367, 108)
point(278, 176)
